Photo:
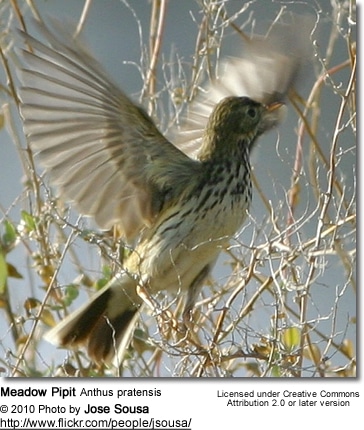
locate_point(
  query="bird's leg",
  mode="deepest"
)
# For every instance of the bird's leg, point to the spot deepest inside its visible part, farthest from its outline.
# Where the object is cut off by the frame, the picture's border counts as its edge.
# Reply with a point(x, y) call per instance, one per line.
point(184, 332)
point(164, 316)
point(143, 293)
point(192, 294)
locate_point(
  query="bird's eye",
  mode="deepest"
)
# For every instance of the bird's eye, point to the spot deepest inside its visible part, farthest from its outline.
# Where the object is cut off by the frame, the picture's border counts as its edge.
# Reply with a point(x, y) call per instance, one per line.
point(252, 113)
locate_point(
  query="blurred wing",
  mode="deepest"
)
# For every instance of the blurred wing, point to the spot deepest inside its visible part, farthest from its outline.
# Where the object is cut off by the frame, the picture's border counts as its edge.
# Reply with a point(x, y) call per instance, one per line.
point(267, 70)
point(101, 150)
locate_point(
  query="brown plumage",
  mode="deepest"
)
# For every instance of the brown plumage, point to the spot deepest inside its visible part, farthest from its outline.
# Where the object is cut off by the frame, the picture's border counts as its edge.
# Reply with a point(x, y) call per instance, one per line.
point(107, 156)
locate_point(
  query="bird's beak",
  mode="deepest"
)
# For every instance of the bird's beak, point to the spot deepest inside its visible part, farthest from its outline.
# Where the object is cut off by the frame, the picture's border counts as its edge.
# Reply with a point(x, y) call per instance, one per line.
point(273, 115)
point(274, 106)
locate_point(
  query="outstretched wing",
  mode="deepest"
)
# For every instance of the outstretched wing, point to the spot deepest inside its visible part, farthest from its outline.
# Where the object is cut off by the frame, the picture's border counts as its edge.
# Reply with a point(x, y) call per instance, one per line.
point(103, 151)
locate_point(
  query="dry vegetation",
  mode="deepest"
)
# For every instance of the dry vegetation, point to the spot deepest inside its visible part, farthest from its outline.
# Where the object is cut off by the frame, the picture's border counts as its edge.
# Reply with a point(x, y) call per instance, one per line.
point(282, 300)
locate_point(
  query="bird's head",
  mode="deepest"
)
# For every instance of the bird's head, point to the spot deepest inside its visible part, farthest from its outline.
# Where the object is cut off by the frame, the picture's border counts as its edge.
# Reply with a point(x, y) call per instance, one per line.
point(237, 121)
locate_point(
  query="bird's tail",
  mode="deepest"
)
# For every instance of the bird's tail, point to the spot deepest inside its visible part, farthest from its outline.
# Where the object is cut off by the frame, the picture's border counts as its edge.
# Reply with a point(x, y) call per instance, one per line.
point(104, 324)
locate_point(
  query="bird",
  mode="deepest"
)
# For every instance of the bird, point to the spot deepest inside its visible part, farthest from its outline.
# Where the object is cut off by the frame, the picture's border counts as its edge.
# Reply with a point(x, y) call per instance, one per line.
point(105, 155)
